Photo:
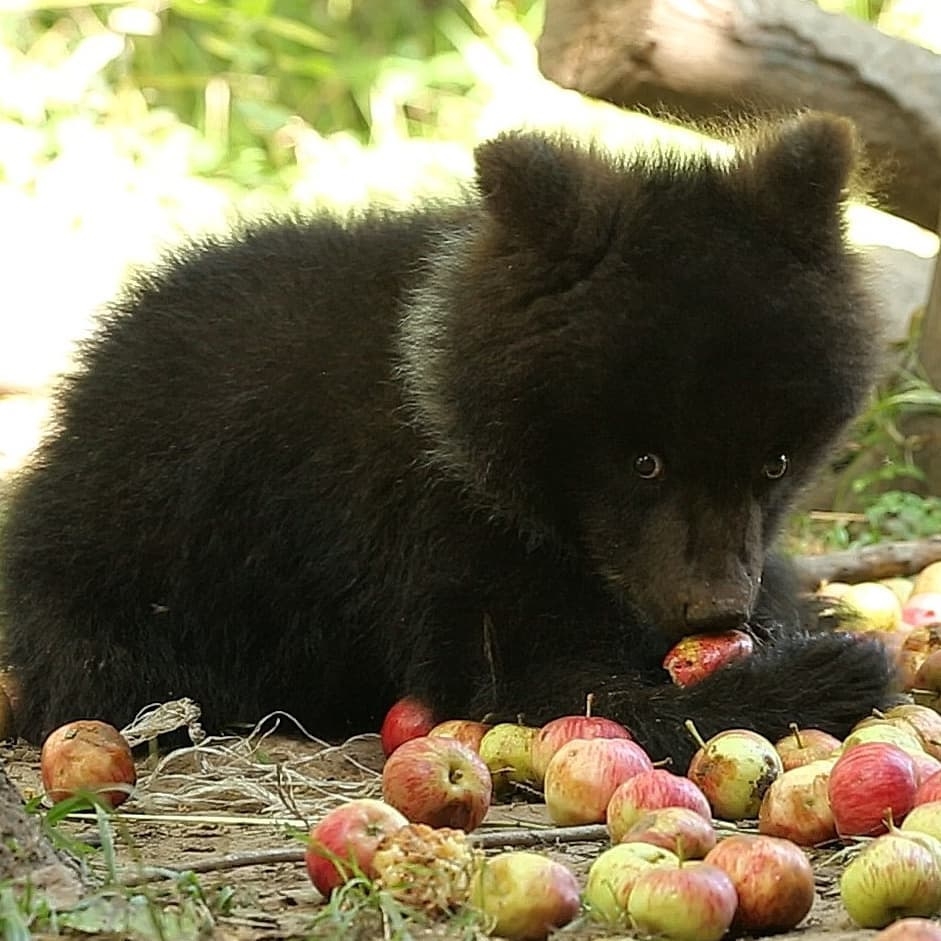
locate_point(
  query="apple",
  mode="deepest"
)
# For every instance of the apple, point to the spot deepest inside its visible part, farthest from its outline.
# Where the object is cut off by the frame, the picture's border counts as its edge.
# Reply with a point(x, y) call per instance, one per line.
point(426, 868)
point(929, 790)
point(506, 750)
point(613, 874)
point(406, 719)
point(925, 766)
point(922, 609)
point(464, 730)
point(696, 656)
point(925, 721)
point(872, 607)
point(773, 879)
point(869, 783)
point(928, 579)
point(651, 790)
point(524, 895)
point(797, 808)
point(734, 769)
point(832, 591)
point(583, 775)
point(924, 818)
point(802, 746)
point(901, 587)
point(910, 929)
point(87, 756)
point(881, 730)
point(557, 732)
point(926, 687)
point(678, 829)
point(438, 781)
point(692, 902)
point(343, 843)
point(892, 877)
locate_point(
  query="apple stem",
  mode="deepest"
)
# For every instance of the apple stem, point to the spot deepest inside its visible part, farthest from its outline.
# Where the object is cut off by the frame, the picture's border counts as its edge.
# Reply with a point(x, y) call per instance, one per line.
point(795, 731)
point(889, 820)
point(589, 701)
point(691, 728)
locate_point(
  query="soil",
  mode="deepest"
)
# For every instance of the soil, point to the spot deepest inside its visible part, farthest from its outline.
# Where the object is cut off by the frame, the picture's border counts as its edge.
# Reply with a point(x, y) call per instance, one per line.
point(256, 794)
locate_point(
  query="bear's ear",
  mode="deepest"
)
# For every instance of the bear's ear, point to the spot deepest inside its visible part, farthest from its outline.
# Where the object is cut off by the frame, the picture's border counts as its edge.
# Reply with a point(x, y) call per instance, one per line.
point(528, 181)
point(806, 166)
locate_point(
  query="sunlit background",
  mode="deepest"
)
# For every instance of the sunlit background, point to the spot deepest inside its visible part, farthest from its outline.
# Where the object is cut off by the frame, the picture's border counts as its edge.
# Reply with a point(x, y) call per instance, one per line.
point(125, 125)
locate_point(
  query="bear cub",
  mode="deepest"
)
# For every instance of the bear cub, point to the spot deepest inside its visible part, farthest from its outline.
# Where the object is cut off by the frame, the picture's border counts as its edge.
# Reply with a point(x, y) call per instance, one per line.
point(497, 454)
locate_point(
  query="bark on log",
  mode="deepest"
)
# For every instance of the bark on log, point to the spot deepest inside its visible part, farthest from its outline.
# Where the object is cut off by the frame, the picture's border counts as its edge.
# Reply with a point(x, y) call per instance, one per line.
point(884, 560)
point(27, 856)
point(712, 58)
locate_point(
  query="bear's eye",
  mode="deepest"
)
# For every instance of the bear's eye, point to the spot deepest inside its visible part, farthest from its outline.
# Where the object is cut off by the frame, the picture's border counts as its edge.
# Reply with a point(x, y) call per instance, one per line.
point(648, 466)
point(776, 467)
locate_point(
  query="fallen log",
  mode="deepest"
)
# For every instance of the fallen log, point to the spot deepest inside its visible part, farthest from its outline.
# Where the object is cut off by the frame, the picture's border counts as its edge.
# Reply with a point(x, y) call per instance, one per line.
point(715, 58)
point(883, 560)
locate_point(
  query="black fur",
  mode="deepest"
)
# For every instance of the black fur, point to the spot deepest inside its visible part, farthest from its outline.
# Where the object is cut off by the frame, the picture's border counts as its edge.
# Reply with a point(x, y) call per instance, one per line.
point(321, 464)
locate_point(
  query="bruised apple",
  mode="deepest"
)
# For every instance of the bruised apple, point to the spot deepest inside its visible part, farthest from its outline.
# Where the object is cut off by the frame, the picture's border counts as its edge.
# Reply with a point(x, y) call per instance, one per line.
point(698, 655)
point(464, 730)
point(797, 807)
point(734, 769)
point(87, 756)
point(406, 719)
point(922, 609)
point(344, 842)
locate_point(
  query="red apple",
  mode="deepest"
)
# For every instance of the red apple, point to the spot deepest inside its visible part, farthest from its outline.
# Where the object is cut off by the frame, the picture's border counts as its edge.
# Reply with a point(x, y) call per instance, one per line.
point(698, 655)
point(802, 746)
point(524, 895)
point(922, 609)
point(678, 829)
point(344, 842)
point(929, 790)
point(734, 769)
point(797, 808)
point(651, 790)
point(438, 781)
point(557, 732)
point(910, 929)
point(584, 773)
point(464, 730)
point(506, 750)
point(892, 877)
point(407, 719)
point(693, 902)
point(87, 756)
point(869, 783)
point(613, 874)
point(925, 766)
point(773, 878)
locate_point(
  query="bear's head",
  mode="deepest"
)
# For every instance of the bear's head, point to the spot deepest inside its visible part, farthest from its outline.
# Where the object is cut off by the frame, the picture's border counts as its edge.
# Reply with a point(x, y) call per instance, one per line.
point(644, 358)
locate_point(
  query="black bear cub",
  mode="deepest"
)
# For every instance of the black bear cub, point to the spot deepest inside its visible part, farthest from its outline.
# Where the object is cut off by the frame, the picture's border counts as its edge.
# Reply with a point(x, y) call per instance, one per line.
point(497, 454)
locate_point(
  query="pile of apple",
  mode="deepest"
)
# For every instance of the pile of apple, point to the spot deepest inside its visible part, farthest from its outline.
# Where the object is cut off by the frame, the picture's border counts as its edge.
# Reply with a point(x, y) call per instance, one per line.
point(666, 872)
point(905, 614)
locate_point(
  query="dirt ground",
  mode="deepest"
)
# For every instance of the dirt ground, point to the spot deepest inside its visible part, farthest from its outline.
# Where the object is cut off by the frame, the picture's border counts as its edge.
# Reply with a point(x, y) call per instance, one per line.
point(256, 794)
